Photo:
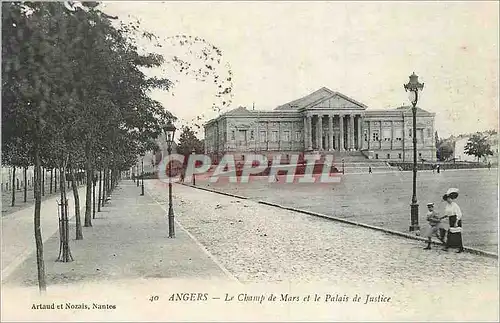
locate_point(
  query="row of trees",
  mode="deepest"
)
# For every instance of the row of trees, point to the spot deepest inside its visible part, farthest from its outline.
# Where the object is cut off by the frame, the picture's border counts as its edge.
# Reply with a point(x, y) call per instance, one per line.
point(75, 97)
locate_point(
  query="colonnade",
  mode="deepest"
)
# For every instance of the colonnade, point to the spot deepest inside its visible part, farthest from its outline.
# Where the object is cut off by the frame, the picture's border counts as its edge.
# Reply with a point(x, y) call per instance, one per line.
point(346, 136)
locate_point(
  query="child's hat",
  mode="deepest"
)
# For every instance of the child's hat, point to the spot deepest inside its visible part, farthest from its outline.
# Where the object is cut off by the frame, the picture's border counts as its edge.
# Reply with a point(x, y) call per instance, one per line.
point(430, 204)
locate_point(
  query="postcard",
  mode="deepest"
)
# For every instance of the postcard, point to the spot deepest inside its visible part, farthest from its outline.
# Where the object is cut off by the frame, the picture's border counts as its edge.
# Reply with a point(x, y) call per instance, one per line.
point(249, 161)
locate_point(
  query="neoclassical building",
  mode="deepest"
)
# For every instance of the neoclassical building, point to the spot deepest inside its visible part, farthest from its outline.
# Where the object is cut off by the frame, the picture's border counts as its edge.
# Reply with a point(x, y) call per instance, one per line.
point(326, 122)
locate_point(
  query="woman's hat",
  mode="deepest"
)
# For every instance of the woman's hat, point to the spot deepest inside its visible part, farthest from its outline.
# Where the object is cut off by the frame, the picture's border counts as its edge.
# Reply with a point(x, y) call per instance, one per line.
point(452, 193)
point(430, 204)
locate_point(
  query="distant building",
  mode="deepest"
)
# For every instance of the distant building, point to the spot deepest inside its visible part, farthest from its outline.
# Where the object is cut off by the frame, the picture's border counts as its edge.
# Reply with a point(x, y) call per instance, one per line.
point(325, 122)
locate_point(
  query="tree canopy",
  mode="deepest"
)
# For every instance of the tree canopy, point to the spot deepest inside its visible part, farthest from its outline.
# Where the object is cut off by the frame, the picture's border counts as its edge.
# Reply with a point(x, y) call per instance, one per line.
point(478, 146)
point(75, 94)
point(189, 142)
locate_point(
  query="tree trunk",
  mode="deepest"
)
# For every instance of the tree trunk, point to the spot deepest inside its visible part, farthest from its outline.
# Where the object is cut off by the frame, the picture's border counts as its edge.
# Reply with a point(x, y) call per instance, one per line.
point(51, 175)
point(25, 170)
point(43, 181)
point(55, 180)
point(103, 200)
point(88, 202)
point(64, 252)
point(42, 285)
point(109, 184)
point(13, 186)
point(79, 231)
point(100, 189)
point(93, 195)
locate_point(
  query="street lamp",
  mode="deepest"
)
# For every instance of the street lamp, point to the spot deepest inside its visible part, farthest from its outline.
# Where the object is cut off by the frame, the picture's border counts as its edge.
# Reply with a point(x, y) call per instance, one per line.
point(169, 130)
point(194, 177)
point(142, 175)
point(413, 87)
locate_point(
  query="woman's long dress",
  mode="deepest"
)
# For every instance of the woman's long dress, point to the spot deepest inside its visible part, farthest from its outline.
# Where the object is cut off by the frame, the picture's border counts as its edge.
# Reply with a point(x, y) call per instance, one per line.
point(454, 238)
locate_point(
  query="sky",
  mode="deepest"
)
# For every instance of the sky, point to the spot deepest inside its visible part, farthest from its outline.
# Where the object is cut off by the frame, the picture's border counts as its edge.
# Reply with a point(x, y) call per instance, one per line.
point(280, 51)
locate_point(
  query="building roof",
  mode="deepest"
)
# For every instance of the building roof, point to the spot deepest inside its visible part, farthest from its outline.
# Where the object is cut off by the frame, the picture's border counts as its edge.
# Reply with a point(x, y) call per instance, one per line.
point(420, 111)
point(238, 111)
point(314, 98)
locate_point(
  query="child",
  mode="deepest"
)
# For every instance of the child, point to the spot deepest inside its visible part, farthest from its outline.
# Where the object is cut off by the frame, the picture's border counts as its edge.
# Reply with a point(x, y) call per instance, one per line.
point(435, 226)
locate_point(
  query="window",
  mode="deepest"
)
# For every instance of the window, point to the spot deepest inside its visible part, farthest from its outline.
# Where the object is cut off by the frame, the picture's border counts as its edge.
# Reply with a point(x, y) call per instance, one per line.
point(242, 135)
point(262, 136)
point(398, 134)
point(251, 135)
point(286, 135)
point(376, 156)
point(410, 132)
point(233, 134)
point(375, 135)
point(387, 135)
point(388, 156)
point(419, 155)
point(429, 132)
point(366, 135)
point(274, 136)
point(421, 135)
point(399, 156)
point(298, 136)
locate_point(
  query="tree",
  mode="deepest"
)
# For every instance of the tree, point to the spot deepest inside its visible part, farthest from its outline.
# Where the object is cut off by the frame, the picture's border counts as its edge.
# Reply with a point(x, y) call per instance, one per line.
point(188, 141)
point(95, 93)
point(445, 150)
point(478, 146)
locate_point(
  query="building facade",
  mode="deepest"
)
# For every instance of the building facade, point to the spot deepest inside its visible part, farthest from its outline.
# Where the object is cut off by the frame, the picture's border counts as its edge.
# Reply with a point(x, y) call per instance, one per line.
point(325, 122)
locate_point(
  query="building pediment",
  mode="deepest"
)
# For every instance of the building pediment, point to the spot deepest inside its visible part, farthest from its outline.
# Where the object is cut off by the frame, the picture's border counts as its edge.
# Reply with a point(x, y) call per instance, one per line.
point(306, 100)
point(323, 98)
point(336, 101)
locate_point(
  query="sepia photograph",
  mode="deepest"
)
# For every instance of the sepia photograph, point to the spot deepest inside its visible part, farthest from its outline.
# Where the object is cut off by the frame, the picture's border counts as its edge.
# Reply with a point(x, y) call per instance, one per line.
point(250, 161)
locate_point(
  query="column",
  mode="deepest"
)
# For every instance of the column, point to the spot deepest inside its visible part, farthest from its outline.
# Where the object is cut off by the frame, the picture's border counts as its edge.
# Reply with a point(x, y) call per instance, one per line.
point(267, 136)
point(330, 132)
point(360, 132)
point(292, 136)
point(341, 123)
point(320, 132)
point(316, 145)
point(309, 132)
point(351, 131)
point(304, 133)
point(279, 136)
point(380, 135)
point(392, 135)
point(369, 133)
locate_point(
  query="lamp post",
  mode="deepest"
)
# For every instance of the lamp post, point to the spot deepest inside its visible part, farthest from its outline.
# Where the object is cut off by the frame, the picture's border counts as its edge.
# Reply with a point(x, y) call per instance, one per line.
point(142, 176)
point(194, 177)
point(413, 87)
point(169, 129)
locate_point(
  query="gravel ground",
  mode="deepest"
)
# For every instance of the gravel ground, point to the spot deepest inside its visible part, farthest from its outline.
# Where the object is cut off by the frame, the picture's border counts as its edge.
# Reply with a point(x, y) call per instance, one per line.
point(19, 204)
point(127, 240)
point(261, 243)
point(383, 199)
